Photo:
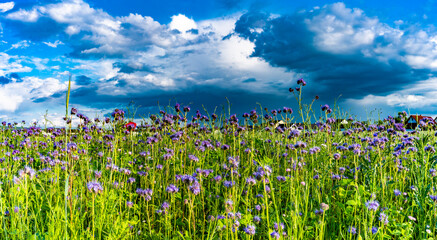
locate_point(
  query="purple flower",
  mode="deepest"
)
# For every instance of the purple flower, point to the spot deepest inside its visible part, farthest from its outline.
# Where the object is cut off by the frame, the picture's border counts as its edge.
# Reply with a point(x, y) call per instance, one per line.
point(301, 82)
point(383, 218)
point(225, 147)
point(372, 205)
point(275, 234)
point(352, 230)
point(251, 181)
point(397, 192)
point(94, 187)
point(146, 193)
point(177, 107)
point(165, 205)
point(131, 180)
point(256, 219)
point(430, 149)
point(129, 204)
point(27, 171)
point(374, 230)
point(250, 230)
point(276, 226)
point(228, 184)
point(281, 178)
point(172, 189)
point(229, 204)
point(193, 158)
point(195, 188)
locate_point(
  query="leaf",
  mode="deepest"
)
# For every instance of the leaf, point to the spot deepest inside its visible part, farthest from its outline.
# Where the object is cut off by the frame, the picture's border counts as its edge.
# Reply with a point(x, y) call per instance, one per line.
point(180, 234)
point(351, 203)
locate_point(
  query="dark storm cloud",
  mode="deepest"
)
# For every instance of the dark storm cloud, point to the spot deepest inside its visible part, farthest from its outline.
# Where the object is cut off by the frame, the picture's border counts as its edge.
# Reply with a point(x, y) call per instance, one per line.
point(287, 42)
point(249, 80)
point(126, 68)
point(210, 97)
point(83, 80)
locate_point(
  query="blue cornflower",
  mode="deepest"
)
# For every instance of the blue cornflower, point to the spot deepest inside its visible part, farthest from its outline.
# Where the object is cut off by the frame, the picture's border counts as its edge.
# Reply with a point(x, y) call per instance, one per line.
point(352, 230)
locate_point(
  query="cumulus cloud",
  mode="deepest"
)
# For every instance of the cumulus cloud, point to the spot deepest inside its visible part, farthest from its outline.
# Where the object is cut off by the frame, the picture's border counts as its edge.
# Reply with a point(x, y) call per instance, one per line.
point(26, 16)
point(4, 7)
point(341, 50)
point(12, 64)
point(14, 93)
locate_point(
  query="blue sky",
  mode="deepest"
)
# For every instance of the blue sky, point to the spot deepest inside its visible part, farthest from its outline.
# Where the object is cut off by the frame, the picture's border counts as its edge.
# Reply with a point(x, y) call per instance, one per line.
point(368, 56)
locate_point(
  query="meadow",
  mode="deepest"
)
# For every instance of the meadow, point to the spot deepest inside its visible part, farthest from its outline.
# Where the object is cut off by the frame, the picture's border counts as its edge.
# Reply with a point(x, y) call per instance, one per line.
point(185, 174)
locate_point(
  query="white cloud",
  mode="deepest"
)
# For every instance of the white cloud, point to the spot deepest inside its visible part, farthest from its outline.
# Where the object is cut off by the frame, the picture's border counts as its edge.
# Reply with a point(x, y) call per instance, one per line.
point(40, 63)
point(54, 44)
point(26, 16)
point(343, 30)
point(4, 7)
point(420, 95)
point(13, 94)
point(183, 24)
point(21, 44)
point(11, 64)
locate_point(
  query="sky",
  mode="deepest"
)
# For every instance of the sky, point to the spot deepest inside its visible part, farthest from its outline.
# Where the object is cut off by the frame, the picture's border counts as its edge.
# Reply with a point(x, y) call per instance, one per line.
point(371, 58)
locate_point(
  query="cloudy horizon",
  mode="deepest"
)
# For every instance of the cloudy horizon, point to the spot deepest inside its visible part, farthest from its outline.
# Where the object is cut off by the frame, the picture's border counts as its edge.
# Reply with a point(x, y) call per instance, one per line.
point(369, 58)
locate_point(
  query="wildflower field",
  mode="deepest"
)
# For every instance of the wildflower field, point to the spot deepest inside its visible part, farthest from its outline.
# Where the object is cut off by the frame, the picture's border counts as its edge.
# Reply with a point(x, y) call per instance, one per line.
point(183, 174)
